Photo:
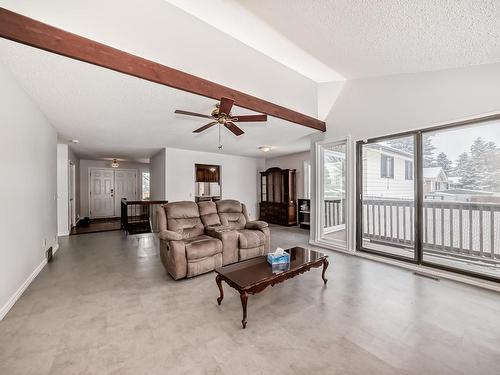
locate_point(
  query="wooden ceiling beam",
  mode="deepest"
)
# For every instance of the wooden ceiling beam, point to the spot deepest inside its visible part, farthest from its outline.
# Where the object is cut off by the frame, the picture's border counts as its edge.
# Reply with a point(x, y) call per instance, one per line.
point(21, 29)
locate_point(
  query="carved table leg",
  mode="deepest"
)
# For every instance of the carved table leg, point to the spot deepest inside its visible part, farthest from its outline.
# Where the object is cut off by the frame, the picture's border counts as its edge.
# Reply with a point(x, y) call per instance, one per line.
point(325, 266)
point(244, 299)
point(218, 280)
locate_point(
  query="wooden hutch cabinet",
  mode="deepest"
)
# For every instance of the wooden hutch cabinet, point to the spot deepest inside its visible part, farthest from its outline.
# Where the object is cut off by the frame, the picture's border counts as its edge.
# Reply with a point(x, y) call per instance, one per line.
point(277, 203)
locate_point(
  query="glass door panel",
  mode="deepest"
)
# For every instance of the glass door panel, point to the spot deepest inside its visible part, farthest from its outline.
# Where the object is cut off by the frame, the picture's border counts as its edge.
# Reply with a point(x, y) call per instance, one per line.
point(333, 200)
point(388, 197)
point(461, 191)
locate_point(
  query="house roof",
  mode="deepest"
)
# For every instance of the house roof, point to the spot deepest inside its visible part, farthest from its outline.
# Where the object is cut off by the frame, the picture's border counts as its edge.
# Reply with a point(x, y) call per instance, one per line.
point(432, 172)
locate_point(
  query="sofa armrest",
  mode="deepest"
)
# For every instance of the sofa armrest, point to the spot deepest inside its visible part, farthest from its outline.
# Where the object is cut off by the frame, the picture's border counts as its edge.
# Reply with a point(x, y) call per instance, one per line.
point(256, 224)
point(169, 235)
point(229, 239)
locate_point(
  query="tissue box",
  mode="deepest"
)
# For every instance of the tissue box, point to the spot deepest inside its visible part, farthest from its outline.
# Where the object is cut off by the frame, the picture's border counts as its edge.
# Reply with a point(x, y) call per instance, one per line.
point(278, 259)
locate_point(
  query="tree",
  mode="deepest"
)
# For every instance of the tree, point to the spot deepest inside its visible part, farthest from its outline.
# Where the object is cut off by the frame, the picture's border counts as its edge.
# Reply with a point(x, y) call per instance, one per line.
point(428, 151)
point(485, 164)
point(403, 144)
point(406, 144)
point(463, 170)
point(443, 162)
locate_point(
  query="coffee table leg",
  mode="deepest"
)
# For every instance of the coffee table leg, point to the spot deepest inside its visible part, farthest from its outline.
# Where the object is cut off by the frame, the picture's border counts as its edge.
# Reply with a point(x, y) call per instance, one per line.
point(244, 299)
point(325, 266)
point(218, 280)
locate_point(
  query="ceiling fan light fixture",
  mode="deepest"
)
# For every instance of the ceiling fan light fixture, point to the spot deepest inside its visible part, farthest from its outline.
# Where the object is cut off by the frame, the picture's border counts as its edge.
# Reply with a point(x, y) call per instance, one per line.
point(265, 148)
point(115, 164)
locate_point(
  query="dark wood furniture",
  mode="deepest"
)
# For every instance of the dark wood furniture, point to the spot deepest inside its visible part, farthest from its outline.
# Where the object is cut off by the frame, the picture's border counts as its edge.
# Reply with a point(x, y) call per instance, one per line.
point(254, 275)
point(278, 203)
point(304, 213)
point(21, 29)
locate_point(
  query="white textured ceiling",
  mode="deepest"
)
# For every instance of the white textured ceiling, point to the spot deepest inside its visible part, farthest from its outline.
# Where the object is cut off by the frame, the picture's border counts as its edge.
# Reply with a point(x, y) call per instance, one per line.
point(360, 38)
point(118, 116)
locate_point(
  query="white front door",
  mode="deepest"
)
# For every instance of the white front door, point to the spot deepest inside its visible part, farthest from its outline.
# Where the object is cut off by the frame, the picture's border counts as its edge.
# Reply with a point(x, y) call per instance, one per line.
point(101, 192)
point(125, 187)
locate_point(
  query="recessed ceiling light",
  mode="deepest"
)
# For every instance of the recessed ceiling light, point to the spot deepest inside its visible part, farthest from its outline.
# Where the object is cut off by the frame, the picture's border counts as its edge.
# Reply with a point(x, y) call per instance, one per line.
point(265, 148)
point(74, 141)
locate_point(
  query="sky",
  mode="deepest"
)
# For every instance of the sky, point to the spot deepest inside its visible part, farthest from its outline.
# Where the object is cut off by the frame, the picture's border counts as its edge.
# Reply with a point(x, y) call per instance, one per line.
point(457, 140)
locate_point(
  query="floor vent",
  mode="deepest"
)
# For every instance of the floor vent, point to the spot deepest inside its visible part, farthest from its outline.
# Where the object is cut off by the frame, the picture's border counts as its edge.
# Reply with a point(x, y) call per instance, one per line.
point(49, 254)
point(426, 276)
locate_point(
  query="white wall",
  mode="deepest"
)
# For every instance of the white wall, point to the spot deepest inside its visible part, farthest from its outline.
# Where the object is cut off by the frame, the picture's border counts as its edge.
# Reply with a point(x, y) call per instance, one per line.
point(292, 161)
point(85, 166)
point(28, 224)
point(387, 105)
point(239, 176)
point(158, 166)
point(62, 190)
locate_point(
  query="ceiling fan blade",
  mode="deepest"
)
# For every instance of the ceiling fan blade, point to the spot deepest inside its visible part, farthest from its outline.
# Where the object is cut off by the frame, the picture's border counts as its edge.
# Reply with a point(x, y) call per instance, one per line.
point(251, 118)
point(232, 127)
point(205, 127)
point(225, 105)
point(178, 111)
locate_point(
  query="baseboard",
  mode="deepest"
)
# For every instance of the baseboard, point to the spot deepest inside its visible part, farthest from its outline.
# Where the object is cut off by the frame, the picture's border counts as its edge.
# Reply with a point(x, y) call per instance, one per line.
point(19, 292)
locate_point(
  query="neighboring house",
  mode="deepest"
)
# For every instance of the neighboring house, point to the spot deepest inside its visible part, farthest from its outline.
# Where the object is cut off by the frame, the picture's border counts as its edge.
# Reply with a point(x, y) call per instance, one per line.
point(388, 172)
point(391, 173)
point(454, 182)
point(435, 179)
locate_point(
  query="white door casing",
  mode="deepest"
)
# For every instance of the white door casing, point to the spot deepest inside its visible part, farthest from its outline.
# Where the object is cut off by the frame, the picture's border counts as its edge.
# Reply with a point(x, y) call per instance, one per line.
point(125, 187)
point(101, 192)
point(72, 201)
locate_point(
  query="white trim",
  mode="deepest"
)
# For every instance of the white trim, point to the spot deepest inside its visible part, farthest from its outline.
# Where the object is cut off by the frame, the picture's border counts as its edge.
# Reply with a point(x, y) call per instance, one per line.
point(18, 293)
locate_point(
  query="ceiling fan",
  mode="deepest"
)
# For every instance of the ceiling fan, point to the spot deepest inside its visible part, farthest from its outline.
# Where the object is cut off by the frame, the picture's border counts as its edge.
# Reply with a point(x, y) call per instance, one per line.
point(222, 115)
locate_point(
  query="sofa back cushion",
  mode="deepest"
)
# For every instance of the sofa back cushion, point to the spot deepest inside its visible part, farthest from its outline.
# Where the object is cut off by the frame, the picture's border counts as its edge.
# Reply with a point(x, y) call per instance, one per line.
point(208, 213)
point(184, 218)
point(231, 213)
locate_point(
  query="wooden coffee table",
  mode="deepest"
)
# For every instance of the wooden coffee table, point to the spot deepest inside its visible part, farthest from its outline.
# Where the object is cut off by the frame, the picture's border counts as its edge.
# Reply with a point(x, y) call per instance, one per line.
point(254, 275)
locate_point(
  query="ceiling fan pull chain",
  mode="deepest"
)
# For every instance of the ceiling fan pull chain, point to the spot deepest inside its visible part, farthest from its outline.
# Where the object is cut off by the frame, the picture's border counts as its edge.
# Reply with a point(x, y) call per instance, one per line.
point(220, 138)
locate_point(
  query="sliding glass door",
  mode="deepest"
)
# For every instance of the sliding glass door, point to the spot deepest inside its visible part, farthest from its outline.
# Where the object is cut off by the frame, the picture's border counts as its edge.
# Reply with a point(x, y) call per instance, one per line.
point(432, 197)
point(387, 204)
point(461, 198)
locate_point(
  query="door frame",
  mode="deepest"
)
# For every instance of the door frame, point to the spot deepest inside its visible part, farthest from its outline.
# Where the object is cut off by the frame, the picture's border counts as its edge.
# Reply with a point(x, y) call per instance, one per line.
point(71, 193)
point(89, 195)
point(348, 245)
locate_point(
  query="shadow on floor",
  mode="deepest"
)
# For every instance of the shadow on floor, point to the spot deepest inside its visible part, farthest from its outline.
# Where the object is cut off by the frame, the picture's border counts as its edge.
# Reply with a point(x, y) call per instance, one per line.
point(97, 225)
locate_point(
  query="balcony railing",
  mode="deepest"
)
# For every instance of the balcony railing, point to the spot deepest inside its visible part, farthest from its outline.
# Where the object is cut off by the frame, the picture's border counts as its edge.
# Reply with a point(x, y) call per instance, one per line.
point(334, 212)
point(140, 216)
point(463, 229)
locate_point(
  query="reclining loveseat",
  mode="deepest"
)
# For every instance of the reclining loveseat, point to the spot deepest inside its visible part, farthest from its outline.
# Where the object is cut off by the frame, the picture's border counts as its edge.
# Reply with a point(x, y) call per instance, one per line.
point(196, 238)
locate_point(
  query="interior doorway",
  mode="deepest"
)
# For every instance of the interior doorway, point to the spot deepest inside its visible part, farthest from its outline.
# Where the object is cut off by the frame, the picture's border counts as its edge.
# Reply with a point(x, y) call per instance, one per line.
point(107, 188)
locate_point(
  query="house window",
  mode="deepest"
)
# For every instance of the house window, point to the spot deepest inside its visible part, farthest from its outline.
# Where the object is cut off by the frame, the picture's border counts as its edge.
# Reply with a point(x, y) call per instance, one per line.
point(408, 170)
point(387, 166)
point(145, 183)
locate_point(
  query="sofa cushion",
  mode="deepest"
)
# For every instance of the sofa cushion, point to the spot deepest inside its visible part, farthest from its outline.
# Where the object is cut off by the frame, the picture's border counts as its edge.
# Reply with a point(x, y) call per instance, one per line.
point(202, 247)
point(231, 213)
point(184, 218)
point(208, 213)
point(249, 238)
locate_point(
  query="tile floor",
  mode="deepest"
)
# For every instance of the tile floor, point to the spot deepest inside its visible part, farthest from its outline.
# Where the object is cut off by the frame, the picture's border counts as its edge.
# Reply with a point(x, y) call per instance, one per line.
point(106, 306)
